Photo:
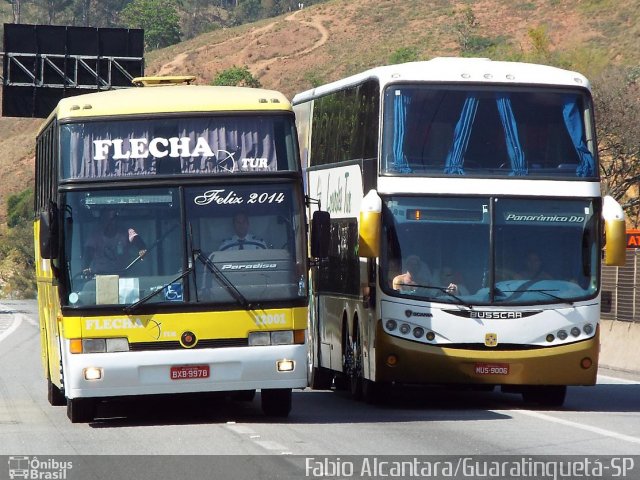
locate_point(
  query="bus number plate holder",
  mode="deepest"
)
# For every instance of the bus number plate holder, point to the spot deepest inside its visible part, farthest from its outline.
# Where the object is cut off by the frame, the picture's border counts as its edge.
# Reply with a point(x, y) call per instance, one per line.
point(187, 372)
point(491, 369)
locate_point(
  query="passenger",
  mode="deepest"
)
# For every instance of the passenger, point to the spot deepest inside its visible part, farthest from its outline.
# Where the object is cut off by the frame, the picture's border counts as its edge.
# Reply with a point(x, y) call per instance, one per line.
point(533, 268)
point(108, 250)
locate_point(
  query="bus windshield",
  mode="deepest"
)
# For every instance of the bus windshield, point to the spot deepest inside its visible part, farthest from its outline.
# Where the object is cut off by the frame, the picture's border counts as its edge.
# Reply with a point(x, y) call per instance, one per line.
point(212, 145)
point(231, 244)
point(490, 131)
point(499, 251)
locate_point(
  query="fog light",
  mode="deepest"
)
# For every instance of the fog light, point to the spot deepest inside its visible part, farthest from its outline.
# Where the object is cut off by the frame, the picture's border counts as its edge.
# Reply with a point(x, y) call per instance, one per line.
point(392, 360)
point(588, 329)
point(92, 373)
point(550, 338)
point(418, 332)
point(404, 328)
point(431, 336)
point(562, 335)
point(285, 365)
point(391, 325)
point(586, 363)
point(575, 331)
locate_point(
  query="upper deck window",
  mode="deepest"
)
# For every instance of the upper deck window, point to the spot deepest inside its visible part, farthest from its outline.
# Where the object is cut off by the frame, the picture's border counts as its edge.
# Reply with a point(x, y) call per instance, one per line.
point(535, 132)
point(216, 145)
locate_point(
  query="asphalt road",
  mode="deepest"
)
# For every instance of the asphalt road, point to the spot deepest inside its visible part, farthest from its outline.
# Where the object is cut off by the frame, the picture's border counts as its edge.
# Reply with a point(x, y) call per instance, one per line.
point(598, 421)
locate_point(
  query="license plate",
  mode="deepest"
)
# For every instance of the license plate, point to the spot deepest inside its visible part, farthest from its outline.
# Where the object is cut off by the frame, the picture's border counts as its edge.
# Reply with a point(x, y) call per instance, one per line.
point(491, 369)
point(187, 372)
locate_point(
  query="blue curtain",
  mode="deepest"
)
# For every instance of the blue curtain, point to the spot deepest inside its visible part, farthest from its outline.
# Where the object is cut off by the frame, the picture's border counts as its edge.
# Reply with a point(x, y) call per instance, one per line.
point(514, 149)
point(401, 102)
point(461, 134)
point(573, 122)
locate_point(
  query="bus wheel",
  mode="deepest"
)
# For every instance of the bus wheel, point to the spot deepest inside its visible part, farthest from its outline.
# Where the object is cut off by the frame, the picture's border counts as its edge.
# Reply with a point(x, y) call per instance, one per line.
point(545, 395)
point(353, 365)
point(81, 410)
point(319, 378)
point(55, 395)
point(276, 402)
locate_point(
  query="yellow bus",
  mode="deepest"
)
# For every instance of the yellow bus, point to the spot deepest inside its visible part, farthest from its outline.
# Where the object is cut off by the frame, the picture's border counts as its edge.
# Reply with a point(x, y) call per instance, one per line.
point(466, 227)
point(170, 245)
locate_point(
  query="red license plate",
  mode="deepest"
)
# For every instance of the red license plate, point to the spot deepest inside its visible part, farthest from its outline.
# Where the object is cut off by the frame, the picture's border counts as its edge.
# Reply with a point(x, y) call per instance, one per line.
point(491, 369)
point(187, 372)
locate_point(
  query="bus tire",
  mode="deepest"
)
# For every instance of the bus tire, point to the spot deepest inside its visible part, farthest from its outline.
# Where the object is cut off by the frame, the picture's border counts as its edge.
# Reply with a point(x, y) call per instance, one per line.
point(356, 379)
point(81, 410)
point(276, 402)
point(319, 378)
point(55, 395)
point(545, 395)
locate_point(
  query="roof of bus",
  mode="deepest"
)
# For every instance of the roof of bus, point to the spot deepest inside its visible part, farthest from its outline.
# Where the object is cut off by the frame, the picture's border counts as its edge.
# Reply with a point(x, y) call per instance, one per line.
point(457, 70)
point(170, 99)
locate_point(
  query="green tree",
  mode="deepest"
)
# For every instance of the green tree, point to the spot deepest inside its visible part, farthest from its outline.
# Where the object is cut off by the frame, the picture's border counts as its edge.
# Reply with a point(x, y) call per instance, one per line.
point(616, 94)
point(236, 76)
point(17, 273)
point(158, 18)
point(20, 208)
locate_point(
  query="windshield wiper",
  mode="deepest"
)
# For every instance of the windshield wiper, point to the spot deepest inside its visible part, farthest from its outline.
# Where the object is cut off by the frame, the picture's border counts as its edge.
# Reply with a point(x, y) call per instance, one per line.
point(222, 279)
point(128, 310)
point(545, 292)
point(441, 289)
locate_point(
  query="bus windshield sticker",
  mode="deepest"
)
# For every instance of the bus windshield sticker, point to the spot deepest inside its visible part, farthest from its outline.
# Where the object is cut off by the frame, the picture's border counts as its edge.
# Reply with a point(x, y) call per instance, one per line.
point(224, 197)
point(544, 218)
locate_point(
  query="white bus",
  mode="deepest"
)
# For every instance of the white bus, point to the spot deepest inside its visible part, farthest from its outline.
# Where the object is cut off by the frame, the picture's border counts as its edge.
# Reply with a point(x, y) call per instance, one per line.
point(466, 227)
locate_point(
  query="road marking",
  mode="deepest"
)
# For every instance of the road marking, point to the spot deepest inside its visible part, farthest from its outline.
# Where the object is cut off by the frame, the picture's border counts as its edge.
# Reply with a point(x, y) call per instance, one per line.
point(618, 379)
point(589, 428)
point(17, 320)
point(270, 445)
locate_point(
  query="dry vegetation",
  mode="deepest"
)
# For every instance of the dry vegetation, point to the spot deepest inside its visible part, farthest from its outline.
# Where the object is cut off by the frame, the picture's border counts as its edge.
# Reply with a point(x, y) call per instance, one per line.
point(327, 41)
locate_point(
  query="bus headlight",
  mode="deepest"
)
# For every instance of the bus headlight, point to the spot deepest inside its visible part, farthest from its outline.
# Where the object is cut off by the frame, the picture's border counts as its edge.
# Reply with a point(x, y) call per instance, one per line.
point(575, 331)
point(259, 339)
point(404, 328)
point(418, 332)
point(279, 337)
point(284, 337)
point(587, 329)
point(98, 345)
point(562, 334)
point(391, 325)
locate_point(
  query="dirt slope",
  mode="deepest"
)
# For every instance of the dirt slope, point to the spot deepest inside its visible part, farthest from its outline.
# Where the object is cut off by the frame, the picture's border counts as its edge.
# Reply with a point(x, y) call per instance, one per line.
point(324, 42)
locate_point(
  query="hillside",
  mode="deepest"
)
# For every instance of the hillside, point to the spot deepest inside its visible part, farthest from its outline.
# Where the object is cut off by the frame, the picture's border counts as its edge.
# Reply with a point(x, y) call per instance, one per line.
point(324, 42)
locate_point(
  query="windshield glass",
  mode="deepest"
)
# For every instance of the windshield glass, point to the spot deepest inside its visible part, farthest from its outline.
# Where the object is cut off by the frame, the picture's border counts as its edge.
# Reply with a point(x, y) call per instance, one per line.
point(489, 250)
point(488, 132)
point(122, 246)
point(218, 145)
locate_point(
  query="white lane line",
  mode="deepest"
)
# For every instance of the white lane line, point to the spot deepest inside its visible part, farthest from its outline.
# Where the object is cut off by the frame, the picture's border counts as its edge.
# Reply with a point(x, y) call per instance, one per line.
point(581, 426)
point(618, 379)
point(255, 438)
point(17, 320)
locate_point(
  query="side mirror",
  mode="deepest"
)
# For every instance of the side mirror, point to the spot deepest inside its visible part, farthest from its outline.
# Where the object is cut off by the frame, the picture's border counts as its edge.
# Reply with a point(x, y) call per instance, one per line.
point(370, 225)
point(615, 232)
point(48, 232)
point(320, 234)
